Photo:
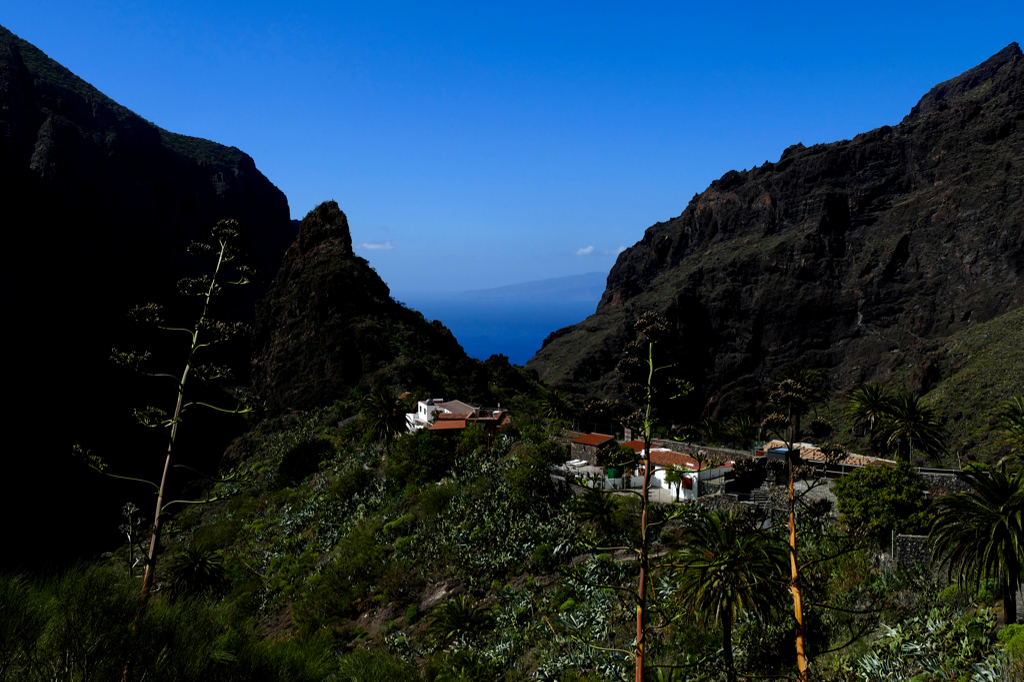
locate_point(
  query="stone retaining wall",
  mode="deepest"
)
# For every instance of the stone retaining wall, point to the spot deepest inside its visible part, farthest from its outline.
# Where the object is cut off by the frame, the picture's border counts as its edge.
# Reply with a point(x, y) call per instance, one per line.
point(912, 551)
point(944, 484)
point(692, 449)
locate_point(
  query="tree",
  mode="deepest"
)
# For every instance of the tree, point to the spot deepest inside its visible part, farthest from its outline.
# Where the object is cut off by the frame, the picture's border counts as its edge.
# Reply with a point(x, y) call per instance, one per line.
point(383, 414)
point(675, 476)
point(792, 396)
point(202, 333)
point(642, 366)
point(869, 405)
point(979, 534)
point(744, 430)
point(1010, 423)
point(910, 423)
point(726, 567)
point(882, 499)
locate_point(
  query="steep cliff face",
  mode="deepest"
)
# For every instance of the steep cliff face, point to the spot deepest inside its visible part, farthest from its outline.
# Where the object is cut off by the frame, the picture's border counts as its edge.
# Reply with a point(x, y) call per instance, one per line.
point(98, 207)
point(128, 190)
point(329, 324)
point(853, 257)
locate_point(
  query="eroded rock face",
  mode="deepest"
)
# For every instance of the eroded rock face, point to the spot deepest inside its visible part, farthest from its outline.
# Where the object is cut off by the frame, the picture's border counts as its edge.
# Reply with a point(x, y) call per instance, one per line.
point(849, 257)
point(329, 324)
point(98, 207)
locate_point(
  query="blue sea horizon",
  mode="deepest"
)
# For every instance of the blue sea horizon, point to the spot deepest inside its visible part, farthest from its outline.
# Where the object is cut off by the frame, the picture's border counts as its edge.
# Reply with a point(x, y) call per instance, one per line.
point(514, 327)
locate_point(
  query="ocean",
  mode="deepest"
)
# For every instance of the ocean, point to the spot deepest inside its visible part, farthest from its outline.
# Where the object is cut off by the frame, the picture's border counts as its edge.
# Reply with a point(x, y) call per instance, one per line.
point(515, 327)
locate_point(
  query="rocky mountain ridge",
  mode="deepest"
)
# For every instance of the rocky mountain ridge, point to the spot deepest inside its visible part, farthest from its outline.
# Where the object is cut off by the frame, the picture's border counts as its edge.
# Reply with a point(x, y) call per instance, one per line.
point(329, 326)
point(99, 206)
point(855, 257)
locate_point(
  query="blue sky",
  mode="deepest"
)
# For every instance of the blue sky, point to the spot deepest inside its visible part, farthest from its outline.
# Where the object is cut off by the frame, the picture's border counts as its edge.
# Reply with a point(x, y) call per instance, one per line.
point(476, 144)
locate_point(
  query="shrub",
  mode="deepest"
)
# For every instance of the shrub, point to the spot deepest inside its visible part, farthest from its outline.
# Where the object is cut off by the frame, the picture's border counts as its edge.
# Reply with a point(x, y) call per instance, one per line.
point(883, 499)
point(195, 570)
point(458, 617)
point(434, 499)
point(351, 482)
point(957, 595)
point(542, 559)
point(420, 458)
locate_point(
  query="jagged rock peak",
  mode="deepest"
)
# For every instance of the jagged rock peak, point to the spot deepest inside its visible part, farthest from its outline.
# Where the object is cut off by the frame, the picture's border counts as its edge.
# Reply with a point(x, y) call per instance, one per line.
point(968, 80)
point(325, 223)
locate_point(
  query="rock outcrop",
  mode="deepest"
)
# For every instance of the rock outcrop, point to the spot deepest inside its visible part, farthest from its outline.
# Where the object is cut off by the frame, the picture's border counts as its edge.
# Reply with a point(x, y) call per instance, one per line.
point(329, 325)
point(98, 208)
point(853, 257)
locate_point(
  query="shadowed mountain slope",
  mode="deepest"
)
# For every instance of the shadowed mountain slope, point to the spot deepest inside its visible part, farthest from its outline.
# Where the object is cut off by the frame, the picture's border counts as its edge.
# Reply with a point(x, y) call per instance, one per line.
point(329, 325)
point(98, 207)
point(855, 257)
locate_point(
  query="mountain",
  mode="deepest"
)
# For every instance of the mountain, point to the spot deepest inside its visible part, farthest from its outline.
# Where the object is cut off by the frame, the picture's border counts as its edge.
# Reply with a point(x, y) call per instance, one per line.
point(99, 206)
point(857, 258)
point(586, 287)
point(329, 325)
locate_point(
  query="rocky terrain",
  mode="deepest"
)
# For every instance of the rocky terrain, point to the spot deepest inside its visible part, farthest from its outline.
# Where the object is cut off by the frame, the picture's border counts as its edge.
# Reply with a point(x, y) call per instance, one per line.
point(98, 208)
point(329, 325)
point(858, 258)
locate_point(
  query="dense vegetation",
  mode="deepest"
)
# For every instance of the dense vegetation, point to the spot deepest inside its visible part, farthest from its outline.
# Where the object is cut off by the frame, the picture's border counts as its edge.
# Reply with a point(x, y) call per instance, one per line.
point(323, 557)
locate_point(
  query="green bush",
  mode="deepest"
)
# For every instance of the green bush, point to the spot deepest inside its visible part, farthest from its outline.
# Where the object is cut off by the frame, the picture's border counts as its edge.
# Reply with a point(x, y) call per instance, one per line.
point(883, 499)
point(1009, 632)
point(353, 481)
point(458, 617)
point(1014, 643)
point(420, 458)
point(79, 625)
point(957, 595)
point(434, 499)
point(195, 570)
point(542, 559)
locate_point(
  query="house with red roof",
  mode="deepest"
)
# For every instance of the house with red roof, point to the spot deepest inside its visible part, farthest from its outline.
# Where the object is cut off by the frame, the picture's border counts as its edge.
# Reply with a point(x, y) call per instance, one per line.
point(664, 459)
point(585, 447)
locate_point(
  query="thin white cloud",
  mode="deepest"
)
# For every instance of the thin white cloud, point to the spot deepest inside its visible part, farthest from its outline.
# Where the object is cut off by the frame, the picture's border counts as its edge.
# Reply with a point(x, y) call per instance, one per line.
point(617, 251)
point(585, 251)
point(377, 246)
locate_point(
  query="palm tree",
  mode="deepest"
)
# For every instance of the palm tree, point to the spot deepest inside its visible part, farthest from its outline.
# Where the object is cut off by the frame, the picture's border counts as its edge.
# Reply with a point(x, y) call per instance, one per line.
point(744, 429)
point(869, 405)
point(980, 534)
point(725, 568)
point(383, 414)
point(909, 424)
point(1010, 422)
point(674, 476)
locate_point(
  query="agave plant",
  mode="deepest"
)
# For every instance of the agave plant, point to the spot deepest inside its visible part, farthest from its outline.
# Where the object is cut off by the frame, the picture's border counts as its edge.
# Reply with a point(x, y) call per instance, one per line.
point(458, 617)
point(195, 570)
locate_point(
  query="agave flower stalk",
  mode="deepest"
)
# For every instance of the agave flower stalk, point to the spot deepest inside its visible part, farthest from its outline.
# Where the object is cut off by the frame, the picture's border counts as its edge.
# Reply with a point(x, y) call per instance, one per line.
point(205, 332)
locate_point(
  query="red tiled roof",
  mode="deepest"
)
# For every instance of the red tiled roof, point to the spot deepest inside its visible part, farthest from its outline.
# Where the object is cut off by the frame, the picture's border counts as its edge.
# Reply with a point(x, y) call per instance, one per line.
point(814, 454)
point(665, 458)
point(636, 445)
point(448, 425)
point(593, 439)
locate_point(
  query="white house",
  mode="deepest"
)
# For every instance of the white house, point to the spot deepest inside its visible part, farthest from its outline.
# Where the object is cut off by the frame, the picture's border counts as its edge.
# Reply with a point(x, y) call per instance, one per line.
point(426, 409)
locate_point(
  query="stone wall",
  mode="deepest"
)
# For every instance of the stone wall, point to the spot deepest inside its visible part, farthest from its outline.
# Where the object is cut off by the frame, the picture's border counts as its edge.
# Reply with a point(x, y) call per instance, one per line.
point(584, 452)
point(912, 551)
point(692, 449)
point(944, 484)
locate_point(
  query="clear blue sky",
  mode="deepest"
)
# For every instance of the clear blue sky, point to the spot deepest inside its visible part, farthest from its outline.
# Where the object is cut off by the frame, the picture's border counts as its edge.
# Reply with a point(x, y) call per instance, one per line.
point(481, 144)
